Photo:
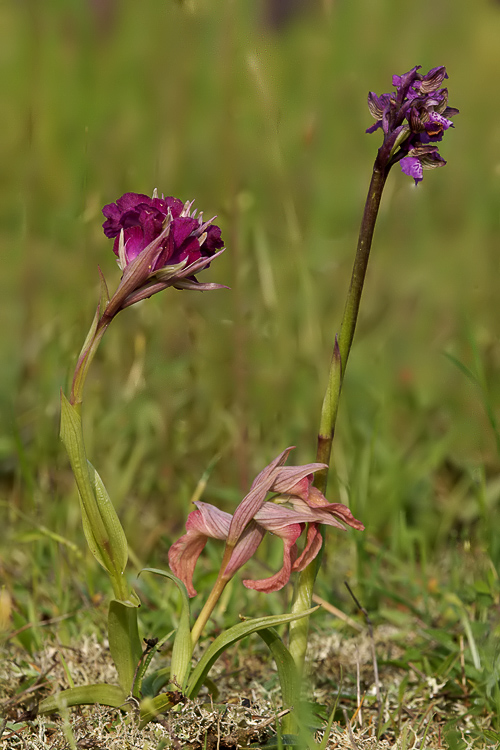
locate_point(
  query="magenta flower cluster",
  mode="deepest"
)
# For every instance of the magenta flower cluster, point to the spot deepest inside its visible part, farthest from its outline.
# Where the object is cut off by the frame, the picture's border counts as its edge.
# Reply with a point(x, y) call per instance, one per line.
point(414, 119)
point(143, 219)
point(159, 242)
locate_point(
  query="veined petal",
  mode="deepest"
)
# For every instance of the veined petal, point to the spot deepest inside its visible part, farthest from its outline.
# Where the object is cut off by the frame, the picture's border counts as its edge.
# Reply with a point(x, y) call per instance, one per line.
point(251, 503)
point(314, 540)
point(280, 460)
point(275, 518)
point(411, 166)
point(183, 556)
point(295, 479)
point(210, 520)
point(207, 521)
point(289, 535)
point(245, 548)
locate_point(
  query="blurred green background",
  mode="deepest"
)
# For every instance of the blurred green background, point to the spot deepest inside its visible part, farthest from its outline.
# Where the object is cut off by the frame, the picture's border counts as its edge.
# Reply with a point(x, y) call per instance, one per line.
point(263, 124)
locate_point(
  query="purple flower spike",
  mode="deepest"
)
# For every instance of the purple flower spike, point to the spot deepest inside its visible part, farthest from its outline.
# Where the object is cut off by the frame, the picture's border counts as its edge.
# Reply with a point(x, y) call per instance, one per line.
point(413, 119)
point(159, 242)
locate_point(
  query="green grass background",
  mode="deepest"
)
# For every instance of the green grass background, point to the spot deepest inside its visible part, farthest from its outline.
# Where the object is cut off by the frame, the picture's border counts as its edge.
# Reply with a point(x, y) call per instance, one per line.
point(266, 129)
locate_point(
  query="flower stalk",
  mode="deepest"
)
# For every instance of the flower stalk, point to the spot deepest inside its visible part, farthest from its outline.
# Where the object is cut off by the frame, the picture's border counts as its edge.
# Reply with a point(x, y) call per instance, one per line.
point(413, 120)
point(343, 342)
point(212, 599)
point(159, 242)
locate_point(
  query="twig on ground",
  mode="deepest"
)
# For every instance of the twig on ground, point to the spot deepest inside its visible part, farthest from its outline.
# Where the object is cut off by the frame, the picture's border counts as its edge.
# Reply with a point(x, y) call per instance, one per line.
point(372, 641)
point(349, 730)
point(337, 612)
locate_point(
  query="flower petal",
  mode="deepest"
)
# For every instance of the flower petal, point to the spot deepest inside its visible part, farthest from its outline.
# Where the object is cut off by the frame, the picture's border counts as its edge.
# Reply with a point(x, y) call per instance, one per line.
point(276, 582)
point(411, 166)
point(417, 114)
point(183, 556)
point(143, 221)
point(251, 503)
point(207, 521)
point(295, 479)
point(314, 541)
point(245, 548)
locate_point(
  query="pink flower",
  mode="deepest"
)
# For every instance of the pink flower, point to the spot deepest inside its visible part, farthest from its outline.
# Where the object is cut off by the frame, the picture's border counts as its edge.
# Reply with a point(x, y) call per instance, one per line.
point(244, 531)
point(143, 219)
point(159, 242)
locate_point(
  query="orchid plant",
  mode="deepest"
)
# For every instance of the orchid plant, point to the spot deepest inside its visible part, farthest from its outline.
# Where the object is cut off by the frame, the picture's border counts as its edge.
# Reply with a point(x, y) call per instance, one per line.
point(163, 242)
point(413, 120)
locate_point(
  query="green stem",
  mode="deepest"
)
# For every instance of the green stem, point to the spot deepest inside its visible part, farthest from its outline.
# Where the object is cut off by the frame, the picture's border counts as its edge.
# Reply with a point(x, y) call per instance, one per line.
point(213, 598)
point(367, 228)
point(82, 367)
point(304, 587)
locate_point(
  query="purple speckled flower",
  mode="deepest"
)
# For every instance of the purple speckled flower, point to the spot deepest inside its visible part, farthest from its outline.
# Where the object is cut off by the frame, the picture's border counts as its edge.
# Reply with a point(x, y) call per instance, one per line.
point(159, 242)
point(413, 119)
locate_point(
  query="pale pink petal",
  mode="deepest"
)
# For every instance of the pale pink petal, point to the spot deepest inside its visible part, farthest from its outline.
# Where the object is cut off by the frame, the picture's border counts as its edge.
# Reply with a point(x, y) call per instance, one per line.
point(314, 540)
point(250, 504)
point(207, 521)
point(342, 511)
point(295, 480)
point(183, 556)
point(327, 514)
point(210, 520)
point(281, 578)
point(245, 548)
point(316, 498)
point(278, 461)
point(275, 518)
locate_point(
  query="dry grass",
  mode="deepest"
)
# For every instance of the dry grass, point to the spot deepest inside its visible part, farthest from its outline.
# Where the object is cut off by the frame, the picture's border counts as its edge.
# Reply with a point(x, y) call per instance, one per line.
point(411, 715)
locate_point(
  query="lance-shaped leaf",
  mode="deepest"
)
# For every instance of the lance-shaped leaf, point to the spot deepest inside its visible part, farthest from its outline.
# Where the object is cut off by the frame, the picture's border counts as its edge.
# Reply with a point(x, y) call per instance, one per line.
point(106, 695)
point(233, 635)
point(287, 673)
point(103, 530)
point(124, 642)
point(183, 648)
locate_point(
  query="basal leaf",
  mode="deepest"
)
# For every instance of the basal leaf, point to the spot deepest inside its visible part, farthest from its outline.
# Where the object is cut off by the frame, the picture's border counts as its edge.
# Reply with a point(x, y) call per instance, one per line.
point(124, 642)
point(182, 649)
point(226, 639)
point(107, 695)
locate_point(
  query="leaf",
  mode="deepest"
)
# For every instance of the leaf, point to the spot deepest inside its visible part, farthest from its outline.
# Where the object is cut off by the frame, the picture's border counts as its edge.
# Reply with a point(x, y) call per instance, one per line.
point(124, 642)
point(463, 369)
point(158, 678)
point(287, 670)
point(103, 531)
point(104, 294)
point(226, 639)
point(182, 649)
point(117, 538)
point(151, 707)
point(287, 673)
point(106, 695)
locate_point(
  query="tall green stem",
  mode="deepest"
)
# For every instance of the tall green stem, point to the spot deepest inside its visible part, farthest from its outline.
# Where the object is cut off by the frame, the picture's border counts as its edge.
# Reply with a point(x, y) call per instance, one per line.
point(213, 597)
point(304, 588)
